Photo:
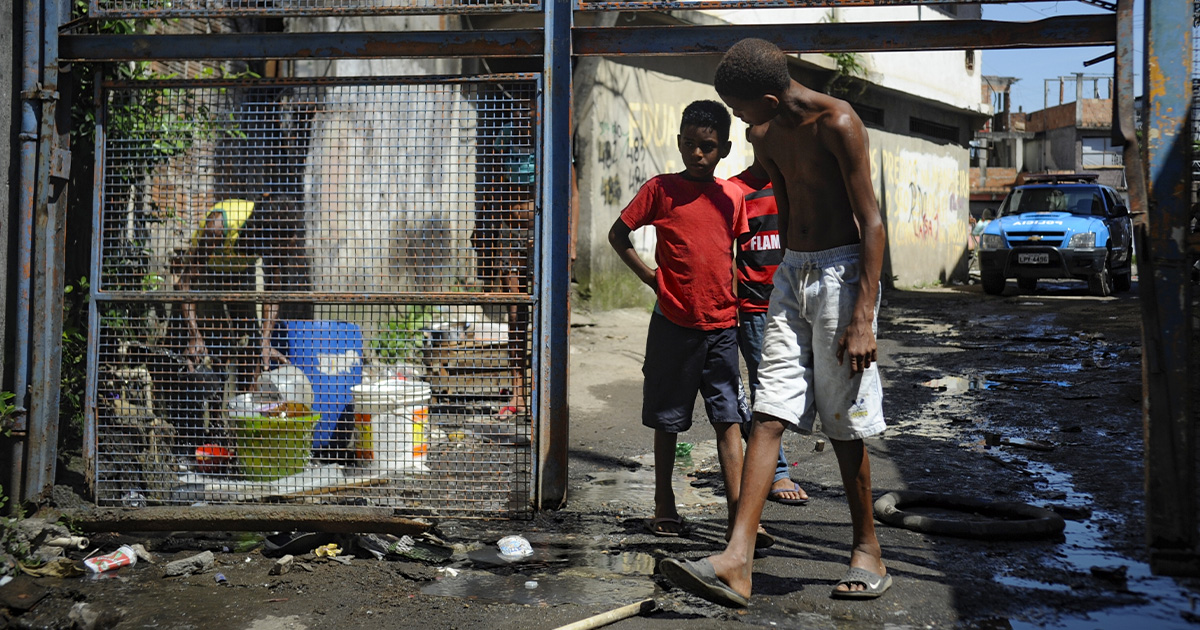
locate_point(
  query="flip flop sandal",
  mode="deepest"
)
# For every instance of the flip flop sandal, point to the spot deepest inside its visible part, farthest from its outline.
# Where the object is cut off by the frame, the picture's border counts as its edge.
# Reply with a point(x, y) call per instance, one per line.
point(653, 526)
point(775, 495)
point(295, 543)
point(876, 584)
point(699, 578)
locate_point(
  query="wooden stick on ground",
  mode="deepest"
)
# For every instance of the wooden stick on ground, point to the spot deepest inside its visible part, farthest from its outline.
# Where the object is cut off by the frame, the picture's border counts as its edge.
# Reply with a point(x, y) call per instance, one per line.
point(605, 618)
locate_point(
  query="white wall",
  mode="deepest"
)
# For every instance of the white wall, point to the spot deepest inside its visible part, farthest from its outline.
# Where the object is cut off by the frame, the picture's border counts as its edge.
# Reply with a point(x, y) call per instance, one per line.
point(937, 75)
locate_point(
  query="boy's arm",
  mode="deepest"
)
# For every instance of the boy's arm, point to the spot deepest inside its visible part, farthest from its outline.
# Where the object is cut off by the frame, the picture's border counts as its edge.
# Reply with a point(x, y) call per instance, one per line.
point(782, 205)
point(212, 232)
point(618, 237)
point(846, 138)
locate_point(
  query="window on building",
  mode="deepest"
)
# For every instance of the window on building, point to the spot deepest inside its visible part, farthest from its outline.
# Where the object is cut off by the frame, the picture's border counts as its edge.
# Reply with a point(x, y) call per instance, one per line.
point(1099, 151)
point(869, 115)
point(933, 129)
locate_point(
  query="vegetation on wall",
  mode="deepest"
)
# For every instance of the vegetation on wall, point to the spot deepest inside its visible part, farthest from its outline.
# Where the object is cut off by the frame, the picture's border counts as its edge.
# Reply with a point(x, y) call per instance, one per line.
point(848, 78)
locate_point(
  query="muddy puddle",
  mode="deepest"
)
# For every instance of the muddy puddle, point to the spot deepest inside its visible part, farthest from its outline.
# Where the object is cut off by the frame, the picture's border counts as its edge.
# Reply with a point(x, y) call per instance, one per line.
point(558, 572)
point(541, 590)
point(634, 488)
point(1084, 551)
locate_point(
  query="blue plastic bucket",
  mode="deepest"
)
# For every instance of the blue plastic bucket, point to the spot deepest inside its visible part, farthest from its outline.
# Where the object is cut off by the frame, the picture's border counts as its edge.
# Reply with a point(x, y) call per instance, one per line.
point(330, 355)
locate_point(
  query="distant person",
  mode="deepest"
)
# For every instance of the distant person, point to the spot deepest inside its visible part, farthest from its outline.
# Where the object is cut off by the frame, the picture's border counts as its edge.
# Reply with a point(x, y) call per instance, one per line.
point(691, 344)
point(819, 349)
point(221, 256)
point(758, 254)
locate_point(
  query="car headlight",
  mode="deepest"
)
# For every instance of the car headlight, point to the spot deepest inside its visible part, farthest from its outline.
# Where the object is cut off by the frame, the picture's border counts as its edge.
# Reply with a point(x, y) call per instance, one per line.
point(1083, 240)
point(991, 241)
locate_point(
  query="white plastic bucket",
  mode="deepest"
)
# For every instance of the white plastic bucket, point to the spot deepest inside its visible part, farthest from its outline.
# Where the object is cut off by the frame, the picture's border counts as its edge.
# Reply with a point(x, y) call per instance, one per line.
point(392, 424)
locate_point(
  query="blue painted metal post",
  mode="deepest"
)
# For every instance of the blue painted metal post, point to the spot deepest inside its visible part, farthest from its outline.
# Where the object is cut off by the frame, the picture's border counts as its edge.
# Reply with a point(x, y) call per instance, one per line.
point(31, 61)
point(555, 286)
point(93, 335)
point(49, 241)
point(1171, 489)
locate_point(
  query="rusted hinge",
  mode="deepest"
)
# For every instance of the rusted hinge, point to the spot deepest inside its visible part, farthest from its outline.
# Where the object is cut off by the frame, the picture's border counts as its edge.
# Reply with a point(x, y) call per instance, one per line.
point(39, 93)
point(60, 162)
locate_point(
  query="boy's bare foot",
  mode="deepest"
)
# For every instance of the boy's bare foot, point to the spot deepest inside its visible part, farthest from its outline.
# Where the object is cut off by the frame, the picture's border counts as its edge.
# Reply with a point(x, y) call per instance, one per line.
point(734, 572)
point(787, 492)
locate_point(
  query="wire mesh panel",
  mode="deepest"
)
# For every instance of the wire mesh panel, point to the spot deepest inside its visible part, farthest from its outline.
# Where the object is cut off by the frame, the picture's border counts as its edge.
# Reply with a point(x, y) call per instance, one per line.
point(349, 188)
point(167, 9)
point(317, 292)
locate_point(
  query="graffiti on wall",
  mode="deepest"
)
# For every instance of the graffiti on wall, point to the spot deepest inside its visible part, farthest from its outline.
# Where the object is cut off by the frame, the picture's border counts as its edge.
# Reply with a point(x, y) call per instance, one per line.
point(631, 151)
point(926, 196)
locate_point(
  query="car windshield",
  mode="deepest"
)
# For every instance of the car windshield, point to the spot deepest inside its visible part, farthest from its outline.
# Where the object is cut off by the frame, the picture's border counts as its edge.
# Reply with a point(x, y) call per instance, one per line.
point(1084, 201)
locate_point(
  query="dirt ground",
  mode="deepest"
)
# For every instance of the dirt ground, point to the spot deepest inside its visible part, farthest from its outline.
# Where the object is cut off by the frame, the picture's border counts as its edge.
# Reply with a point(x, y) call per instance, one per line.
point(1027, 397)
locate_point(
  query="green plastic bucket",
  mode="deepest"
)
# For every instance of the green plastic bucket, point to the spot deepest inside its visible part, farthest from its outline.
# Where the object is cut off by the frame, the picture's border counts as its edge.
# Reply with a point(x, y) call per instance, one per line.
point(275, 441)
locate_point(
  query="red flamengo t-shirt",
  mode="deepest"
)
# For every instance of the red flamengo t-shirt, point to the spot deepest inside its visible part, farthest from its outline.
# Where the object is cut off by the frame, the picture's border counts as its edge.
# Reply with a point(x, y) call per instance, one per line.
point(696, 224)
point(758, 251)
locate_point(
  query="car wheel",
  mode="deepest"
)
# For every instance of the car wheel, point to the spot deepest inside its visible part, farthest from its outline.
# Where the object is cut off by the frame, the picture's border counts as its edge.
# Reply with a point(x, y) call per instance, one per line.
point(1122, 281)
point(993, 283)
point(1028, 285)
point(1100, 284)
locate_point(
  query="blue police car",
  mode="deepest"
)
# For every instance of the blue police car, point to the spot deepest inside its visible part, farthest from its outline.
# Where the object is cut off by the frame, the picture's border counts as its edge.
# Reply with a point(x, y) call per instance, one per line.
point(1059, 226)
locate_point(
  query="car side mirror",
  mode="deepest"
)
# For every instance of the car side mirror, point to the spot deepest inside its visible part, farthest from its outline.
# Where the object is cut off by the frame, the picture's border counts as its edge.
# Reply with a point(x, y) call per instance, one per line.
point(1121, 211)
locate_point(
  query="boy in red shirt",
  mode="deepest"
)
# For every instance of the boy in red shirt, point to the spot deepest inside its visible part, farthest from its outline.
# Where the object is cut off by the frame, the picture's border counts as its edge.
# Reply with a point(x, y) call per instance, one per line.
point(691, 344)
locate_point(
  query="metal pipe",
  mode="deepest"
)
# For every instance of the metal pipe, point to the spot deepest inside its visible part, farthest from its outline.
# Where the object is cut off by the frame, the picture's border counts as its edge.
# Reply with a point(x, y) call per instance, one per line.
point(313, 297)
point(49, 225)
point(31, 47)
point(93, 334)
point(323, 518)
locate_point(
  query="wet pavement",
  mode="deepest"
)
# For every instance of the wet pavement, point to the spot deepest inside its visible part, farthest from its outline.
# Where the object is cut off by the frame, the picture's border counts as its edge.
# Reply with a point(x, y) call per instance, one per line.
point(1024, 397)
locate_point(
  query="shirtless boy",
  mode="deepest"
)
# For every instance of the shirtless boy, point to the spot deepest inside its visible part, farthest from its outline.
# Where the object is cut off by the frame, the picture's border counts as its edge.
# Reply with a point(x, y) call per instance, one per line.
point(819, 346)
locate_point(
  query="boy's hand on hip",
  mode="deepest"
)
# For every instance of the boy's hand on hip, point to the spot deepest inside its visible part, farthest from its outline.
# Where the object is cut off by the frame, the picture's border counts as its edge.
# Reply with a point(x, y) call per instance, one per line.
point(651, 280)
point(859, 343)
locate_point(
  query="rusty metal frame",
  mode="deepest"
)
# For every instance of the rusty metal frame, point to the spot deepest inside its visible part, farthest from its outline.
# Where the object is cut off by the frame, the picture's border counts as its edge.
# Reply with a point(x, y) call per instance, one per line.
point(266, 9)
point(1081, 30)
point(1160, 196)
point(666, 5)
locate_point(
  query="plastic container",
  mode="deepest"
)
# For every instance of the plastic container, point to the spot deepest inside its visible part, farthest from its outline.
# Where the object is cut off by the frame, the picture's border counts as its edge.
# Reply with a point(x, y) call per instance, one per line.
point(273, 440)
point(289, 383)
point(391, 424)
point(125, 556)
point(513, 547)
point(329, 353)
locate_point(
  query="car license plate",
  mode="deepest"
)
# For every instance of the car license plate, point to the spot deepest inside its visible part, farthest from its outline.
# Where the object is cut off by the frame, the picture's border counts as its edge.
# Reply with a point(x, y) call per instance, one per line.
point(1033, 259)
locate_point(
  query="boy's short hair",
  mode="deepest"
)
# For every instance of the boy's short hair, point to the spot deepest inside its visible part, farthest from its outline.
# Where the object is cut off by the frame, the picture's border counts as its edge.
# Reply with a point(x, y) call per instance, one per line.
point(707, 115)
point(752, 68)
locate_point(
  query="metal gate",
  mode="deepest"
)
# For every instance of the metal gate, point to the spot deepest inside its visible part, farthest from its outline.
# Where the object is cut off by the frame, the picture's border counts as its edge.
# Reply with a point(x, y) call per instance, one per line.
point(135, 310)
point(316, 292)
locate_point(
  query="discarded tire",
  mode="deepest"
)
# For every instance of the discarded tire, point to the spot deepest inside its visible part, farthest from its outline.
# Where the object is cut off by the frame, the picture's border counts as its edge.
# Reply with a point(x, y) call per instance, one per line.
point(1006, 520)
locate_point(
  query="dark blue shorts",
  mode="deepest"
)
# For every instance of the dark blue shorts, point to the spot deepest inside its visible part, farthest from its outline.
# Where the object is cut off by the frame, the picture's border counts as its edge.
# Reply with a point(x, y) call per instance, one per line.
point(682, 361)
